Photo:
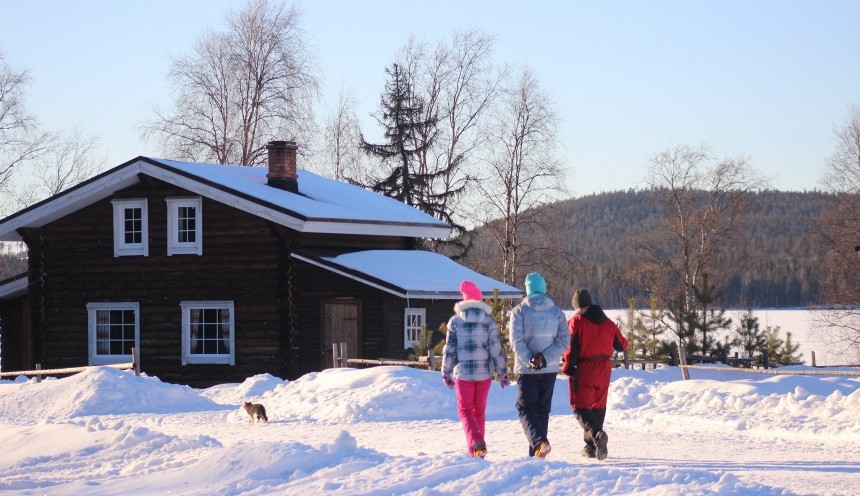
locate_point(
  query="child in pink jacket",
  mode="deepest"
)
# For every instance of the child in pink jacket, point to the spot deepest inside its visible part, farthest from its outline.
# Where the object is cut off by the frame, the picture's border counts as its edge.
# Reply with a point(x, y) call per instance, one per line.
point(472, 354)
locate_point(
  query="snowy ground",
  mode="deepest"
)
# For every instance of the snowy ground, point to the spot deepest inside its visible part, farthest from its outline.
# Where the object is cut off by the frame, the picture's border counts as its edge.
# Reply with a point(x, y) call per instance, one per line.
point(393, 430)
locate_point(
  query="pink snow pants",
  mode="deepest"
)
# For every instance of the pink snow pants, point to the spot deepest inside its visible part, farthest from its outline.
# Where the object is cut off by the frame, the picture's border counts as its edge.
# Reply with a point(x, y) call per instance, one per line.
point(472, 405)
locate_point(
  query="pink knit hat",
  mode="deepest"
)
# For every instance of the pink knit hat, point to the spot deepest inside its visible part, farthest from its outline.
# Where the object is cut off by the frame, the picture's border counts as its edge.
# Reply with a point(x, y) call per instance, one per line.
point(470, 291)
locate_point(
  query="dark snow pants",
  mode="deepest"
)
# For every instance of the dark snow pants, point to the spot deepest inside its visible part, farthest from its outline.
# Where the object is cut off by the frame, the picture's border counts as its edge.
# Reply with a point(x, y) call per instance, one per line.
point(589, 390)
point(534, 402)
point(591, 420)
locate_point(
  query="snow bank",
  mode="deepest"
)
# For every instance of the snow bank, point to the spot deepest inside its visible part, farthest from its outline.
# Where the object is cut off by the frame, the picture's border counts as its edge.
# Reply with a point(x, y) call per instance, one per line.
point(249, 390)
point(373, 394)
point(96, 391)
point(783, 404)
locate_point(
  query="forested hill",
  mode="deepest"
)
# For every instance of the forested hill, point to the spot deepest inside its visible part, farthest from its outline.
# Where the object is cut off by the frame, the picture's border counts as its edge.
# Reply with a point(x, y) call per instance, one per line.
point(776, 248)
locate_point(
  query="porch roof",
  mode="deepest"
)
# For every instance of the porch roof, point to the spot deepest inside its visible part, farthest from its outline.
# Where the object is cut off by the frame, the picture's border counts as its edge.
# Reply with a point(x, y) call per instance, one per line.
point(410, 273)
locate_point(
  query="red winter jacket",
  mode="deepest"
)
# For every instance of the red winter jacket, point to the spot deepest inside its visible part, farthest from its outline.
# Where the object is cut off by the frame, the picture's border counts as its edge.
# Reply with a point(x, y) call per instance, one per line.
point(593, 338)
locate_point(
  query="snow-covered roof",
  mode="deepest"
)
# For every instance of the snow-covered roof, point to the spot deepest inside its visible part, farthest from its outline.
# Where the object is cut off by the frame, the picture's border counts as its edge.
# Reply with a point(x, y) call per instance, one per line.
point(13, 287)
point(322, 205)
point(410, 273)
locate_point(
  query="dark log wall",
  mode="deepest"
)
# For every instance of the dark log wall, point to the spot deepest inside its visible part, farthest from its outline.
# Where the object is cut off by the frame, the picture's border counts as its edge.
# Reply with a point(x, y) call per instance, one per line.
point(329, 245)
point(438, 312)
point(245, 259)
point(314, 286)
point(14, 337)
point(239, 263)
point(382, 315)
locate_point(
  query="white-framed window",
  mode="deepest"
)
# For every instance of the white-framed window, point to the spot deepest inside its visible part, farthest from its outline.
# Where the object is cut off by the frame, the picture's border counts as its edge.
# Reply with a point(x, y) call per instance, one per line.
point(114, 329)
point(413, 323)
point(208, 332)
point(184, 226)
point(130, 227)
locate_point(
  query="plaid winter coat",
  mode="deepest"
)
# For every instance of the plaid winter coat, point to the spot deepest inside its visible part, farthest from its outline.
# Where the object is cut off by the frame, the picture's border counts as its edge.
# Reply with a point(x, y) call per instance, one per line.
point(473, 350)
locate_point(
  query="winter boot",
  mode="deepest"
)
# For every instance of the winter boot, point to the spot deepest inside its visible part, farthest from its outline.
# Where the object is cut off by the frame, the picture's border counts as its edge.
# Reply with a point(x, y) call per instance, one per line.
point(479, 450)
point(589, 452)
point(543, 448)
point(601, 439)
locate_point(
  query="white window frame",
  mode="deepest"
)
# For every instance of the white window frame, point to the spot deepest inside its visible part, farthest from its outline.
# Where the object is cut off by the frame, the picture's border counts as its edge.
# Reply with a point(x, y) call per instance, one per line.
point(191, 359)
point(174, 246)
point(92, 321)
point(121, 248)
point(410, 331)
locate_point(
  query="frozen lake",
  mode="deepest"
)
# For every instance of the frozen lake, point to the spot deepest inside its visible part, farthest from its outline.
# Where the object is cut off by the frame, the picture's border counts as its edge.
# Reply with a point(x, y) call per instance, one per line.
point(799, 323)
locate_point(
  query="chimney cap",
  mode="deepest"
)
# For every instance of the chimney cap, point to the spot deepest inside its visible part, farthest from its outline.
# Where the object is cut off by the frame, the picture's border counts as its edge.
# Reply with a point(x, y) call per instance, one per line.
point(282, 143)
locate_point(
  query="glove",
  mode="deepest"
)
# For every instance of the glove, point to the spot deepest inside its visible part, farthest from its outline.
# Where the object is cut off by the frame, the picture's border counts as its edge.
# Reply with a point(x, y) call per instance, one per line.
point(537, 362)
point(569, 369)
point(448, 380)
point(504, 381)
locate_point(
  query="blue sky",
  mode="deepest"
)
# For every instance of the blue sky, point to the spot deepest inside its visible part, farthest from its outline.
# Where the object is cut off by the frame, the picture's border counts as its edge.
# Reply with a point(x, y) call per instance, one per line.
point(767, 79)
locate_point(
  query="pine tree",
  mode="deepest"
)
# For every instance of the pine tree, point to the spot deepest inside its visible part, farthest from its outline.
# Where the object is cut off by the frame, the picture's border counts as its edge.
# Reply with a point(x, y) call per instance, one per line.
point(782, 352)
point(712, 318)
point(500, 315)
point(751, 338)
point(657, 348)
point(428, 340)
point(686, 321)
point(408, 134)
point(635, 331)
point(786, 352)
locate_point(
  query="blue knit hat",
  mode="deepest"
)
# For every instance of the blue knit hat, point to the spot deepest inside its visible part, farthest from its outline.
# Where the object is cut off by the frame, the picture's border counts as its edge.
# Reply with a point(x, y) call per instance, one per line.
point(535, 284)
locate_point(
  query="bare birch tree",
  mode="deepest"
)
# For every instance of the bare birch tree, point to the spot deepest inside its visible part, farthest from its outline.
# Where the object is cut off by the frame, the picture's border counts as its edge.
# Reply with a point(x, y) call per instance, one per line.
point(68, 161)
point(839, 227)
point(253, 82)
point(702, 200)
point(458, 82)
point(522, 172)
point(342, 139)
point(20, 139)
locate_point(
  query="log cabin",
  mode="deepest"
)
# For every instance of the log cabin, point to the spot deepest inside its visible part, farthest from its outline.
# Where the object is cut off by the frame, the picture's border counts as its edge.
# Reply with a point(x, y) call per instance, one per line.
point(216, 273)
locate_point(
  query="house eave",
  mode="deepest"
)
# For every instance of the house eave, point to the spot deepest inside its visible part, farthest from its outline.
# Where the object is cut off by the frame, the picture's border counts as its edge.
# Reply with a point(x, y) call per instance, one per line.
point(14, 287)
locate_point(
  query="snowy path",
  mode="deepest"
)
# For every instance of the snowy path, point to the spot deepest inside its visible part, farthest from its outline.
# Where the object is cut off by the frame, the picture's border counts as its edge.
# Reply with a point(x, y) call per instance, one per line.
point(806, 466)
point(392, 431)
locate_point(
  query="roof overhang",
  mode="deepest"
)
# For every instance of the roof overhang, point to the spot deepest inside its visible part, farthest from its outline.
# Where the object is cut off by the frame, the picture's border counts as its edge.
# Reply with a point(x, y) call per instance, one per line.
point(13, 287)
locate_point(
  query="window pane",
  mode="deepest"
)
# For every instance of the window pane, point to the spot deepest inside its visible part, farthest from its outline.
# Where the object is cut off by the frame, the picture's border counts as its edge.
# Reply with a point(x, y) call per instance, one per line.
point(133, 225)
point(115, 332)
point(210, 331)
point(187, 224)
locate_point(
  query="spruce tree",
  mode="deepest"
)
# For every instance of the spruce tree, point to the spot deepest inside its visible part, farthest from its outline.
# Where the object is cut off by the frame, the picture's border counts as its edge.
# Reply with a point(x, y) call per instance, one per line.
point(408, 133)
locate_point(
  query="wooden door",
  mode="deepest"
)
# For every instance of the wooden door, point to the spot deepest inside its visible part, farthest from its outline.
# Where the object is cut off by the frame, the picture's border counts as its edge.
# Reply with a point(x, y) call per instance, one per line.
point(341, 324)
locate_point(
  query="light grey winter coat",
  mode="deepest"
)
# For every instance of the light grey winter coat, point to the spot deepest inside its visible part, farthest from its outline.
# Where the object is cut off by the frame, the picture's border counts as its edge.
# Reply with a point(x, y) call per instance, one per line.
point(473, 350)
point(538, 326)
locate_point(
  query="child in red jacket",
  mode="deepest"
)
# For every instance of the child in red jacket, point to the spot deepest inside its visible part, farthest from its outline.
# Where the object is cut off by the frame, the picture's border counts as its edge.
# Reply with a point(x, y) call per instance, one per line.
point(588, 362)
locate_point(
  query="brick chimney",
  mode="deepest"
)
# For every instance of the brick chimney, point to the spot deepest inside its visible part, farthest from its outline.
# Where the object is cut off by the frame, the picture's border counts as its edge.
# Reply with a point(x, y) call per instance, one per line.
point(282, 165)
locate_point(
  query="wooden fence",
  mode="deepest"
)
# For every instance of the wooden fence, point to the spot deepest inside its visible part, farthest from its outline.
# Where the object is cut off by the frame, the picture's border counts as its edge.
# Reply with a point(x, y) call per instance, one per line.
point(680, 360)
point(39, 371)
